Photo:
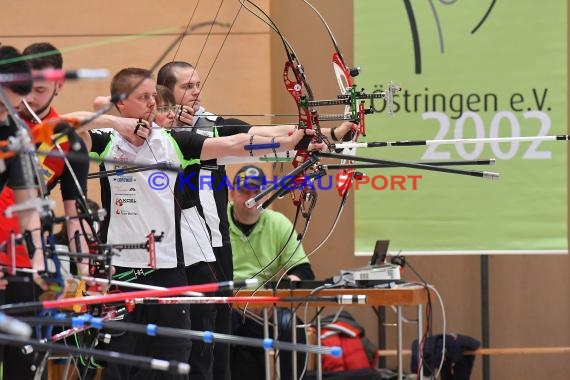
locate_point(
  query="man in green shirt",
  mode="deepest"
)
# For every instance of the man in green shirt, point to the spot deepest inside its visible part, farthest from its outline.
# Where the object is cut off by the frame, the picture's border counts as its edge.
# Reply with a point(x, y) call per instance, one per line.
point(263, 241)
point(264, 244)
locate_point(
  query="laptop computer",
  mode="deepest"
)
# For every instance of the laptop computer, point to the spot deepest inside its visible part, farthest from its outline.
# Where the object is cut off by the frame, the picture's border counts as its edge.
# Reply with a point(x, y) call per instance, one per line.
point(380, 252)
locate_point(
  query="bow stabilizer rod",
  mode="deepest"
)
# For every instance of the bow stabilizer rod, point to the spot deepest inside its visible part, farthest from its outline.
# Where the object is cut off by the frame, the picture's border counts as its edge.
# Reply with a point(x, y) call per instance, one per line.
point(380, 144)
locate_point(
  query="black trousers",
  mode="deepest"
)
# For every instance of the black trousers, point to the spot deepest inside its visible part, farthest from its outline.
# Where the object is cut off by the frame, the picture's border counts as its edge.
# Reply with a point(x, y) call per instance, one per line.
point(203, 318)
point(17, 365)
point(211, 361)
point(223, 324)
point(249, 362)
point(165, 348)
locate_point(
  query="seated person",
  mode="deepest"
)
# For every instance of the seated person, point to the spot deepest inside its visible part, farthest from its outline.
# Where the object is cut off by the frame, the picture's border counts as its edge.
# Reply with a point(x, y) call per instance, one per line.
point(264, 244)
point(263, 240)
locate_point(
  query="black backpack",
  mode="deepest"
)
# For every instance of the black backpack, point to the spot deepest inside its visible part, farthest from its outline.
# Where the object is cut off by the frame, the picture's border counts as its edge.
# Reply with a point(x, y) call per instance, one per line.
point(456, 365)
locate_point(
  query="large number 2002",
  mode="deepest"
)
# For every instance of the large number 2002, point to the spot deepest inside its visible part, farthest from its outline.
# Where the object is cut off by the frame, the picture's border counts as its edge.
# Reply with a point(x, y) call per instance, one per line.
point(433, 153)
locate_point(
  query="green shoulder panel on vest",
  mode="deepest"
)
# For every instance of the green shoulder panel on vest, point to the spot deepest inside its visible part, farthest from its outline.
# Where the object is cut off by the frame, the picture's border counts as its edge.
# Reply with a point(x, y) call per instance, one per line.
point(100, 157)
point(183, 161)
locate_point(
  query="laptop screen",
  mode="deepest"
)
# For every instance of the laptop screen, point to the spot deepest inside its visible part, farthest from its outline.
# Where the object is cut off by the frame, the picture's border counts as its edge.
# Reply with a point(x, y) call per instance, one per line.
point(380, 252)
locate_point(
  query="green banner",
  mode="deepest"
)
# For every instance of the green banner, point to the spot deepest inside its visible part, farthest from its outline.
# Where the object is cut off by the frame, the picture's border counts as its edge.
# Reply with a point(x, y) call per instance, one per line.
point(467, 69)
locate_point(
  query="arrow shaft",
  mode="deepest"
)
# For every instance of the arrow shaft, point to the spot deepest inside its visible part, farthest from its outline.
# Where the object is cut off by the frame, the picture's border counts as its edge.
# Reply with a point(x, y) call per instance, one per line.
point(111, 356)
point(119, 297)
point(490, 161)
point(206, 336)
point(378, 144)
point(473, 173)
